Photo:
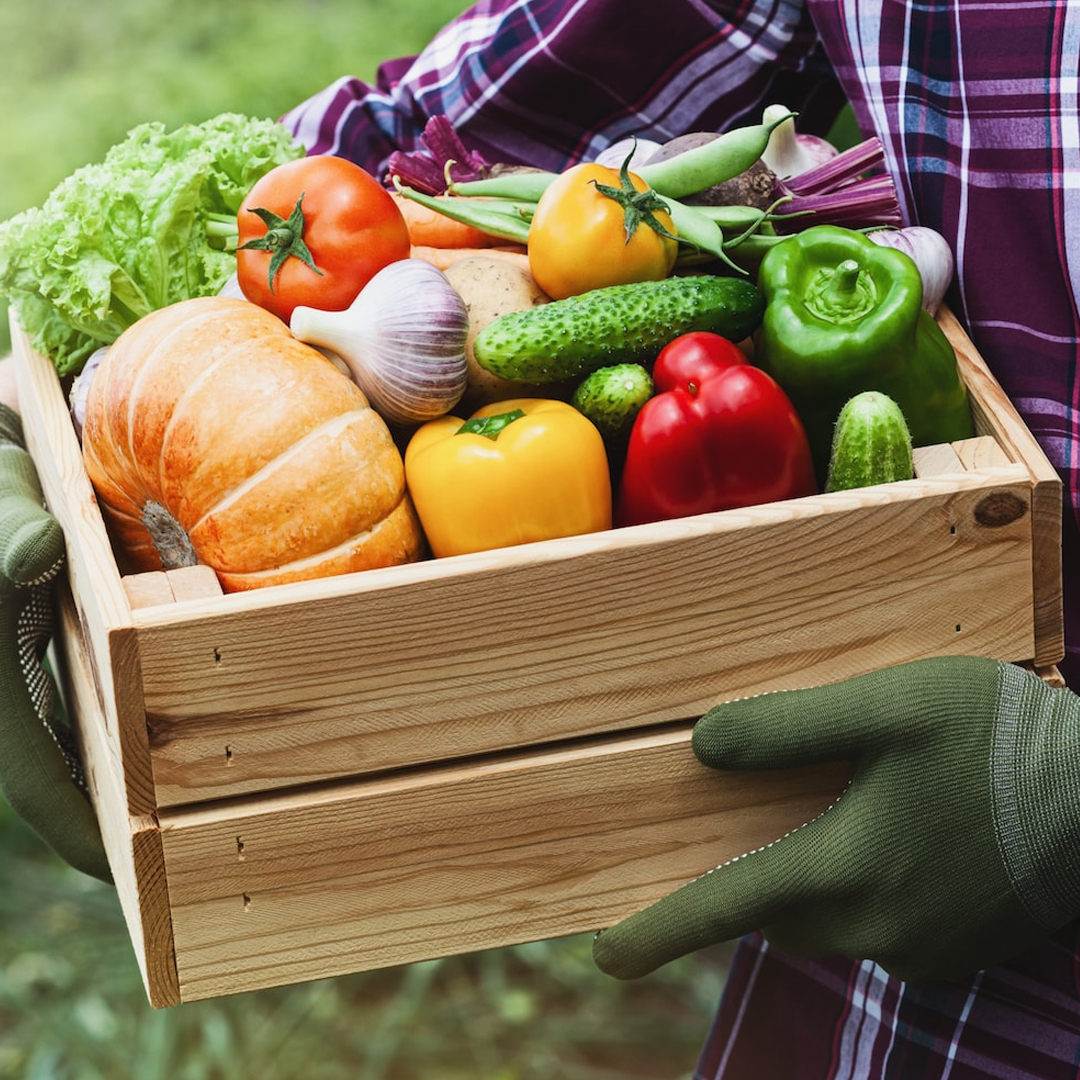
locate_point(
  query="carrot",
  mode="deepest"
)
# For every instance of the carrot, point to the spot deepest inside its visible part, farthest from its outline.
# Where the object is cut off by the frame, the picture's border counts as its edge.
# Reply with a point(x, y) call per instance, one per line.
point(429, 228)
point(443, 257)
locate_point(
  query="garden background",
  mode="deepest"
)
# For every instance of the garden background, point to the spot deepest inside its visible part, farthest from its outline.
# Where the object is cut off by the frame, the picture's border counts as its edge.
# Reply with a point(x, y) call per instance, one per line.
point(76, 77)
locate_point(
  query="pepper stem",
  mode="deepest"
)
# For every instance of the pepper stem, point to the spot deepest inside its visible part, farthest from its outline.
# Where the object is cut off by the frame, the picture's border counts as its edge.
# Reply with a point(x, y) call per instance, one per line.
point(845, 278)
point(490, 426)
point(639, 207)
point(842, 294)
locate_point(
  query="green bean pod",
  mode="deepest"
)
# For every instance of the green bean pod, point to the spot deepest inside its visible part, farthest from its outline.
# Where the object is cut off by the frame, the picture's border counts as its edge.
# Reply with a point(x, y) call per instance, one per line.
point(524, 184)
point(696, 230)
point(710, 163)
point(507, 223)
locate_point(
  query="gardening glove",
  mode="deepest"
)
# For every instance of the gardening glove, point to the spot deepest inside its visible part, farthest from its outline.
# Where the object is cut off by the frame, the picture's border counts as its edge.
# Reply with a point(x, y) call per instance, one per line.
point(955, 846)
point(40, 773)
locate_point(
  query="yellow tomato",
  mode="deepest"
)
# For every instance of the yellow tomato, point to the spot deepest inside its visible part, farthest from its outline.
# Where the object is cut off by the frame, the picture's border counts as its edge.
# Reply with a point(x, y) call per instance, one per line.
point(595, 226)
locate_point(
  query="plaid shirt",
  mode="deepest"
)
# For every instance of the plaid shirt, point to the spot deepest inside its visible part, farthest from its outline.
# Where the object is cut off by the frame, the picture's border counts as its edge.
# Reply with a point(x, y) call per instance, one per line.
point(976, 104)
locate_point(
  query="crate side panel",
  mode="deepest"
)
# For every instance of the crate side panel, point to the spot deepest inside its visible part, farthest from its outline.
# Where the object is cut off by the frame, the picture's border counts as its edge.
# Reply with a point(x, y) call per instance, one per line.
point(621, 635)
point(995, 414)
point(132, 842)
point(461, 859)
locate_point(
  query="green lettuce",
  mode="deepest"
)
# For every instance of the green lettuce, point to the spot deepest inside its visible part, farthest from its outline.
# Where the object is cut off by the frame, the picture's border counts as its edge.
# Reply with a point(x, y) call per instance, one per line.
point(151, 224)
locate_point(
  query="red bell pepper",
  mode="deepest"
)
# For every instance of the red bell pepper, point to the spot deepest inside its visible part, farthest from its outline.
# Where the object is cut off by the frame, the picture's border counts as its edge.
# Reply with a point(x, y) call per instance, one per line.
point(719, 433)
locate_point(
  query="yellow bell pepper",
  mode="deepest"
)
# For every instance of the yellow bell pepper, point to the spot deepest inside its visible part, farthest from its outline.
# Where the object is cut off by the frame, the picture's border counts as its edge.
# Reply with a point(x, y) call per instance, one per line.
point(539, 472)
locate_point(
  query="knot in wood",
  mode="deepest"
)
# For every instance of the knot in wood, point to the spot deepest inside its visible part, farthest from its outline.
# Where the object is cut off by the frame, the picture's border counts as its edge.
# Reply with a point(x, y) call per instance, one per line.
point(1000, 508)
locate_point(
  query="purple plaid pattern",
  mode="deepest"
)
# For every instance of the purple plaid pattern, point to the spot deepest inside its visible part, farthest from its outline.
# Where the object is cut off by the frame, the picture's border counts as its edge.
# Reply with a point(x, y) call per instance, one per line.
point(976, 103)
point(548, 82)
point(784, 1018)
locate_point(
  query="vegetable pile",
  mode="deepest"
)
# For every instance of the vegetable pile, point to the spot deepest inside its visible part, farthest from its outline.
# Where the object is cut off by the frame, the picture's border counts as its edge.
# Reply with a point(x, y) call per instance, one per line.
point(294, 368)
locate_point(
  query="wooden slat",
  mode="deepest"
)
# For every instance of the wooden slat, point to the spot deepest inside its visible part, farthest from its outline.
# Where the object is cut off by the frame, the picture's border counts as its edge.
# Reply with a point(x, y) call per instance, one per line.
point(98, 651)
point(103, 609)
point(450, 663)
point(456, 859)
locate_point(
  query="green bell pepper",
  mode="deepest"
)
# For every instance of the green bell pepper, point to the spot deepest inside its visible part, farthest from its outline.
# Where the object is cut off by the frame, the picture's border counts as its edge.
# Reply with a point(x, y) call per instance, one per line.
point(844, 315)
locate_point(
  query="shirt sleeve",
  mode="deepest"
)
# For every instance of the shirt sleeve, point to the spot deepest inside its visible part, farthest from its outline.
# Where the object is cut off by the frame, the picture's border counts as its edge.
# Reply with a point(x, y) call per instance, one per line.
point(548, 83)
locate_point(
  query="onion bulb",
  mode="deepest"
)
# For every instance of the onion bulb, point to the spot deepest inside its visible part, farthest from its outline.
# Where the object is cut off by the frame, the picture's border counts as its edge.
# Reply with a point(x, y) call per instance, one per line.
point(932, 256)
point(614, 155)
point(80, 388)
point(788, 153)
point(402, 339)
point(231, 287)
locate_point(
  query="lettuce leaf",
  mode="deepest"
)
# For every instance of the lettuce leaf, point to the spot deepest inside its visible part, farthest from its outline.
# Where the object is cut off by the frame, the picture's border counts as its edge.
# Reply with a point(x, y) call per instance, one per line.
point(151, 224)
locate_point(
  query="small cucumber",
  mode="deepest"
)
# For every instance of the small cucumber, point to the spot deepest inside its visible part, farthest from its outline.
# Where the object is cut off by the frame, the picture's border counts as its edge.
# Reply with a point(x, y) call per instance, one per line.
point(611, 397)
point(871, 444)
point(618, 324)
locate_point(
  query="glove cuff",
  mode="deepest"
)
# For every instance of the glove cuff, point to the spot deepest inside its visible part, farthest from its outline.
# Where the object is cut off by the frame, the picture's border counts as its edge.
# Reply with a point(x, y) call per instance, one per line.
point(11, 429)
point(1035, 779)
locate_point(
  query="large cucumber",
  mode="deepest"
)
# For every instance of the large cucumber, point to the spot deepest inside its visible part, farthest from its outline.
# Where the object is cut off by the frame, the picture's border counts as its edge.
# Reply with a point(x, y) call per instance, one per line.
point(619, 324)
point(871, 444)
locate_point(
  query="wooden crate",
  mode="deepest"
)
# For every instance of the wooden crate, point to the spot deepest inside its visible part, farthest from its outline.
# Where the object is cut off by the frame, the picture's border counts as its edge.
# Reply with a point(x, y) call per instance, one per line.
point(368, 770)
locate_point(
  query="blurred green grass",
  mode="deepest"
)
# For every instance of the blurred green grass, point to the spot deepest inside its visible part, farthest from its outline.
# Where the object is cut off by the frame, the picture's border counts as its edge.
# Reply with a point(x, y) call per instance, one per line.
point(76, 77)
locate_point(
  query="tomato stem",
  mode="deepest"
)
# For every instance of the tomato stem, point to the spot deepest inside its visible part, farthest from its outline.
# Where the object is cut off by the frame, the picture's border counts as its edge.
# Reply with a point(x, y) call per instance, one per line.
point(639, 207)
point(284, 238)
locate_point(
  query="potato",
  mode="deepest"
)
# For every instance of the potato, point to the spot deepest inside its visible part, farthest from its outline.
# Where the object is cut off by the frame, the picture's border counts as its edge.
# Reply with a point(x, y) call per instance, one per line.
point(491, 287)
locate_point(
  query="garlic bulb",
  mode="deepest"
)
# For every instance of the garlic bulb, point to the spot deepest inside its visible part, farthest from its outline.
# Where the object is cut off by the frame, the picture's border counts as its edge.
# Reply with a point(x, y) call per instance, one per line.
point(932, 256)
point(402, 339)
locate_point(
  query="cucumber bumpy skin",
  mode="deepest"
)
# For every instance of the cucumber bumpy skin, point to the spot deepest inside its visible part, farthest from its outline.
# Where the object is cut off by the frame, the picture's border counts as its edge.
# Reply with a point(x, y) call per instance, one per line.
point(871, 444)
point(617, 324)
point(611, 397)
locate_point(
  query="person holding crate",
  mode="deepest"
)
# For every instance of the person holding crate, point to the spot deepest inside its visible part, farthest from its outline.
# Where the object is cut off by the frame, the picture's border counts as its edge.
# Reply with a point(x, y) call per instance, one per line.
point(926, 924)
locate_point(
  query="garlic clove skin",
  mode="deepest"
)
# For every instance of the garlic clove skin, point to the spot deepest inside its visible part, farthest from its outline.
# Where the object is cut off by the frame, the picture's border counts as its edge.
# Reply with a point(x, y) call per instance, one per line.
point(402, 339)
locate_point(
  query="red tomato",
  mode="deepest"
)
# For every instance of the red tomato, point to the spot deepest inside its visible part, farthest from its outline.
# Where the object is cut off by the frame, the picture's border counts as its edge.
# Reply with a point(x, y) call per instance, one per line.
point(313, 232)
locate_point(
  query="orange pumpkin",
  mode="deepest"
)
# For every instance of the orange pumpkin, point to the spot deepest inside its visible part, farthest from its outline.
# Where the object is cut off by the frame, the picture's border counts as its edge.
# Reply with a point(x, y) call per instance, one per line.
point(212, 435)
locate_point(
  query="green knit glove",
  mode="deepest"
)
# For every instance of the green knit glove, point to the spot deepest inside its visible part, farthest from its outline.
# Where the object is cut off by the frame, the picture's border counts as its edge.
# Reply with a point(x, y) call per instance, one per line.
point(956, 845)
point(40, 774)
